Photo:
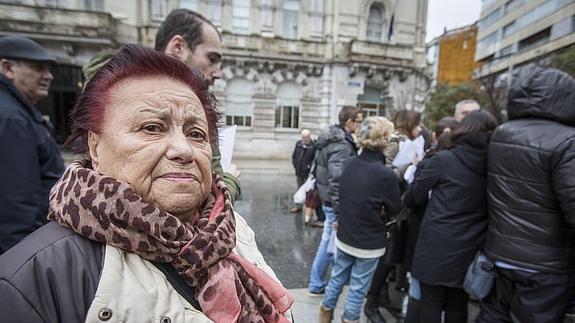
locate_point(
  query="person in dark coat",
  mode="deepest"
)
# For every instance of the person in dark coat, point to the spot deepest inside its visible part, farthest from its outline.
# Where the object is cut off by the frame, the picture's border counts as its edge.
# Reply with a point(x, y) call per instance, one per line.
point(31, 163)
point(439, 142)
point(455, 220)
point(531, 201)
point(301, 159)
point(366, 187)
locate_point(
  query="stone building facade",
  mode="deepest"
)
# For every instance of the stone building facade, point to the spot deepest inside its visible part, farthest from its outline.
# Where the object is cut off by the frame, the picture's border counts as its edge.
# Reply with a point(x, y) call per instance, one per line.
point(288, 64)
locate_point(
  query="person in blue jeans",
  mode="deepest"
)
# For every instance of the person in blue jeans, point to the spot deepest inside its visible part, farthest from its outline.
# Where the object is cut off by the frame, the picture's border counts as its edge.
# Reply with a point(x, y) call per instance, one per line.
point(334, 147)
point(366, 188)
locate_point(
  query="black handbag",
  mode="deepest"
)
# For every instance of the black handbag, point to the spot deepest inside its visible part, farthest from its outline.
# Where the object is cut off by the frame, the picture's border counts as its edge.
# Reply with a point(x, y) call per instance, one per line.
point(397, 238)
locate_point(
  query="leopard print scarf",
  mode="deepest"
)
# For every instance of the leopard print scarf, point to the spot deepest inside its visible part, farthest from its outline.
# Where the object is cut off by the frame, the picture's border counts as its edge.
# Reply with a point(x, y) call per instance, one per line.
point(228, 287)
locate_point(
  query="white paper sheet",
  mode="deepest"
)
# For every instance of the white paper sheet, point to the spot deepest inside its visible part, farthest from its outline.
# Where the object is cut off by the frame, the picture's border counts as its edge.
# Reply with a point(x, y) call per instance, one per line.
point(409, 149)
point(227, 140)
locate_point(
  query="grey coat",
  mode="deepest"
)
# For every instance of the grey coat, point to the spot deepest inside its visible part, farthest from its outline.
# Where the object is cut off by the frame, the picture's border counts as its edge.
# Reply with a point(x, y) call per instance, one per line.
point(335, 147)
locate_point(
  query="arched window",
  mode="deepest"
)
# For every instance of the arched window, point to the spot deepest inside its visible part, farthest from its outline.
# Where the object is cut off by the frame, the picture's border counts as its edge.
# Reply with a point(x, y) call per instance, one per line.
point(287, 105)
point(375, 23)
point(239, 104)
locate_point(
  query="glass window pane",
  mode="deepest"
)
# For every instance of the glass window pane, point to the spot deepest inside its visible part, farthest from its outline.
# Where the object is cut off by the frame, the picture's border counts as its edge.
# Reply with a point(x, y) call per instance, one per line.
point(292, 5)
point(248, 121)
point(317, 5)
point(215, 12)
point(290, 24)
point(295, 117)
point(287, 114)
point(278, 115)
point(317, 25)
point(189, 4)
point(375, 24)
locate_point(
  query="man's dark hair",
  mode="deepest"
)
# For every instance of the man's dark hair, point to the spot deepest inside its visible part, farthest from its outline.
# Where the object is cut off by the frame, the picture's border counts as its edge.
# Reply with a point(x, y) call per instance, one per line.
point(185, 23)
point(346, 113)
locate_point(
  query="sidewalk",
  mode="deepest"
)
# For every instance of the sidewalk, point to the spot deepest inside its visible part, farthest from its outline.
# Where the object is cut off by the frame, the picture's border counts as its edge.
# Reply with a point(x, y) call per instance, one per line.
point(306, 308)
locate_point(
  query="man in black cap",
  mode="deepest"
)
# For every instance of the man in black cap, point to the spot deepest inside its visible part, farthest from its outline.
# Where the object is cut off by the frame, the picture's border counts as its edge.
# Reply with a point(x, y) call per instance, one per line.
point(30, 162)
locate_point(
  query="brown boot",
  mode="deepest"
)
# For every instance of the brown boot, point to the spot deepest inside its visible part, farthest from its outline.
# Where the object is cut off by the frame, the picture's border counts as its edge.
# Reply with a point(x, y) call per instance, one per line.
point(325, 314)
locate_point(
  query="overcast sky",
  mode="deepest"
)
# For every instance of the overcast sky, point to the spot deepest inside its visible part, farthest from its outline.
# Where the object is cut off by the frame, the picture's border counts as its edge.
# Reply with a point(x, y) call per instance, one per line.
point(450, 14)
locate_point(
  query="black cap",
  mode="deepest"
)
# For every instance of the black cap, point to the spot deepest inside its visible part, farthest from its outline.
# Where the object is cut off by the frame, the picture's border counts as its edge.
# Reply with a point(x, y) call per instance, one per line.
point(16, 47)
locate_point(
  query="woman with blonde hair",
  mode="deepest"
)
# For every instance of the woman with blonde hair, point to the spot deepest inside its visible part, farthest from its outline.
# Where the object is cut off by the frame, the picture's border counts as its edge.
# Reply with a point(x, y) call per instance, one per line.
point(367, 187)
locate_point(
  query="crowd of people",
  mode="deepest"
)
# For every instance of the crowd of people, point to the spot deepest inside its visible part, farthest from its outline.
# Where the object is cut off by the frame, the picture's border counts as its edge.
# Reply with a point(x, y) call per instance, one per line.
point(421, 212)
point(143, 228)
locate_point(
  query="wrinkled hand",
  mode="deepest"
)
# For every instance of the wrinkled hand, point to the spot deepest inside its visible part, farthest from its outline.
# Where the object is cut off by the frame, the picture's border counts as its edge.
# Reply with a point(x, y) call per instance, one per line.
point(233, 170)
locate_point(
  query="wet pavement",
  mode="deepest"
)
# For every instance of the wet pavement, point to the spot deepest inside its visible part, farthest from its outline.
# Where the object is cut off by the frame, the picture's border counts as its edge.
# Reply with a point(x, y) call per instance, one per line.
point(287, 244)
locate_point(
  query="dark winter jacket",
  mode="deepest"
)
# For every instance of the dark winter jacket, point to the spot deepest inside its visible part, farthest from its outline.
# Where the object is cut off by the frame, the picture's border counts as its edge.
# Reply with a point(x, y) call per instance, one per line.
point(30, 164)
point(366, 185)
point(415, 216)
point(56, 257)
point(334, 147)
point(531, 181)
point(302, 158)
point(455, 220)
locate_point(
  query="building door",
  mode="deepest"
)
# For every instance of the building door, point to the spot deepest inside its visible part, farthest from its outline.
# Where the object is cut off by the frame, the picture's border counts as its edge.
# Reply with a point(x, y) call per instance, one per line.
point(372, 103)
point(64, 91)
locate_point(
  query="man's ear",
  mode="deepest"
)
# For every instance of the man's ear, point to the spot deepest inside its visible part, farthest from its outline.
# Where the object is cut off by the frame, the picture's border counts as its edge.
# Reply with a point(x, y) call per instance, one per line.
point(177, 47)
point(7, 68)
point(93, 142)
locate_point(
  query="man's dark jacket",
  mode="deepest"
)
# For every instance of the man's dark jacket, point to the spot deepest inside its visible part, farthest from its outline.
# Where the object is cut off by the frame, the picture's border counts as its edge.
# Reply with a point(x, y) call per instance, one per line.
point(30, 164)
point(334, 147)
point(455, 220)
point(366, 185)
point(302, 158)
point(531, 175)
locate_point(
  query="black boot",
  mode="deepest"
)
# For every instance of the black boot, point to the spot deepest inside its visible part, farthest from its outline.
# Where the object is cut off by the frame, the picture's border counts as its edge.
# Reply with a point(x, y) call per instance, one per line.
point(370, 310)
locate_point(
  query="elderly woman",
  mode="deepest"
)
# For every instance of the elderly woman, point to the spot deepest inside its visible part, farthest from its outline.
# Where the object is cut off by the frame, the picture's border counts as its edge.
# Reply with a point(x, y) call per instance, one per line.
point(366, 187)
point(141, 231)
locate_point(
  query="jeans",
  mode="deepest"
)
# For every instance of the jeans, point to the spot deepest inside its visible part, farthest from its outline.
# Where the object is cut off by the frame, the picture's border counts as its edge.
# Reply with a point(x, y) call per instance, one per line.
point(359, 271)
point(323, 259)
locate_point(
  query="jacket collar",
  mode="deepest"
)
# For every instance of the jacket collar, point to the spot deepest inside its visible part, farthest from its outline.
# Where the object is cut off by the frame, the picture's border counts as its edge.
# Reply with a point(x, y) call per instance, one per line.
point(372, 155)
point(9, 87)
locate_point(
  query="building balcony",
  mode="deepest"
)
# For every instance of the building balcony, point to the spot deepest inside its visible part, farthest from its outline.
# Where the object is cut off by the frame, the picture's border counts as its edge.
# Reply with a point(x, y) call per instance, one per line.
point(57, 24)
point(386, 54)
point(256, 46)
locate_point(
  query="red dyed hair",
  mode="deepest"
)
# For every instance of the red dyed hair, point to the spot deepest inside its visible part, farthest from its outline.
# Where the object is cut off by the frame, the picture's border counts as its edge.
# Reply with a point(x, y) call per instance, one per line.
point(134, 61)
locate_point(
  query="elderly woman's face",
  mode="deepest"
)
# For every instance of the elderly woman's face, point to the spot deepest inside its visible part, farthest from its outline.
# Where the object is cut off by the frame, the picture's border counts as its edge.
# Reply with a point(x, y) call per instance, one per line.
point(155, 136)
